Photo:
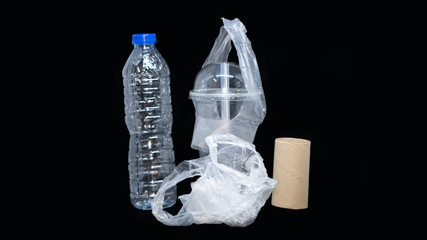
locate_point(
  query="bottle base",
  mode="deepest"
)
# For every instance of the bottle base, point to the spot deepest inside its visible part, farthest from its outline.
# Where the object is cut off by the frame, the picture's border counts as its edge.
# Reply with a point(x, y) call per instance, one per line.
point(146, 204)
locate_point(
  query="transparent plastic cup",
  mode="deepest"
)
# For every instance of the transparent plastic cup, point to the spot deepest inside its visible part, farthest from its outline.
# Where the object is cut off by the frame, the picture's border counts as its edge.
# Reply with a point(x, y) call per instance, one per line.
point(219, 91)
point(223, 104)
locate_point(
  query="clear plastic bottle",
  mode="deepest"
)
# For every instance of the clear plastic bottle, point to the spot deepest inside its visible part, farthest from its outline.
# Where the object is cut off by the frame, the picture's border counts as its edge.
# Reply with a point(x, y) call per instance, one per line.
point(149, 120)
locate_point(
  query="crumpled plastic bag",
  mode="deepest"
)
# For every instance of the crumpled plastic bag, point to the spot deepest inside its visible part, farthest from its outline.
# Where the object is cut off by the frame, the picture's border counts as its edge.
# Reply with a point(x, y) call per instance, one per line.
point(232, 187)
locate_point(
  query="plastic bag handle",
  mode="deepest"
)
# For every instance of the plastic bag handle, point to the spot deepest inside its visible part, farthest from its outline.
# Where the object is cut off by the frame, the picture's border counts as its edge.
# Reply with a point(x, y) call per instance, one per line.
point(221, 48)
point(186, 169)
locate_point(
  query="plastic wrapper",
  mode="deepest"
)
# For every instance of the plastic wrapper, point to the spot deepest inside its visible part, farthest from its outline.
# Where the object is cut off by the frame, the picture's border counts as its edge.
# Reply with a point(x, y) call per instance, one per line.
point(232, 187)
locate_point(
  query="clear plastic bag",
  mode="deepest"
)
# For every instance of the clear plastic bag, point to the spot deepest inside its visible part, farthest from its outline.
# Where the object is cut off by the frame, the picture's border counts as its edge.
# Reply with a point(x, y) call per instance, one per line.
point(232, 187)
point(247, 100)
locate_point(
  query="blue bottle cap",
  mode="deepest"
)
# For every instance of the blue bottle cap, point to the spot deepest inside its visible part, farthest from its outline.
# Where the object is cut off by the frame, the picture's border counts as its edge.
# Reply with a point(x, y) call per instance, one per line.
point(144, 38)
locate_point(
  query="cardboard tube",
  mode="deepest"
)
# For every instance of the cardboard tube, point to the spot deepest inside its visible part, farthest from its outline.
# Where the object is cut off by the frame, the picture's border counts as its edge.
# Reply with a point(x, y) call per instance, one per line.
point(291, 170)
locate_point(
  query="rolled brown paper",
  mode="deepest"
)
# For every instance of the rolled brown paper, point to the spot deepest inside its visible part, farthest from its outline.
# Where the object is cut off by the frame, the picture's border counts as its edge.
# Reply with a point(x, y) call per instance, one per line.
point(291, 170)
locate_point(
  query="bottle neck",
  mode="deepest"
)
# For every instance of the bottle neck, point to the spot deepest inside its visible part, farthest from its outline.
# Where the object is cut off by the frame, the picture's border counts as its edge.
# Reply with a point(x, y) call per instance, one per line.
point(145, 46)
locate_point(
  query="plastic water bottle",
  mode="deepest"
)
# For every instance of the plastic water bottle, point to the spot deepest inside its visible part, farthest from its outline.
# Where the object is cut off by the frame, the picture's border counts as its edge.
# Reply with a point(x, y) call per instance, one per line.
point(149, 121)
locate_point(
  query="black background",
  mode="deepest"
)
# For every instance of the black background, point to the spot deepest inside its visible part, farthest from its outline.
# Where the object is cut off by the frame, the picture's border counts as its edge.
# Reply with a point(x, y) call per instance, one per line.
point(312, 61)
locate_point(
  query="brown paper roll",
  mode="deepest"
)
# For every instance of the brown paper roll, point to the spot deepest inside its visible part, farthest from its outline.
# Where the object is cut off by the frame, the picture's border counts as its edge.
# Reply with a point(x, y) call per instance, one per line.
point(291, 170)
